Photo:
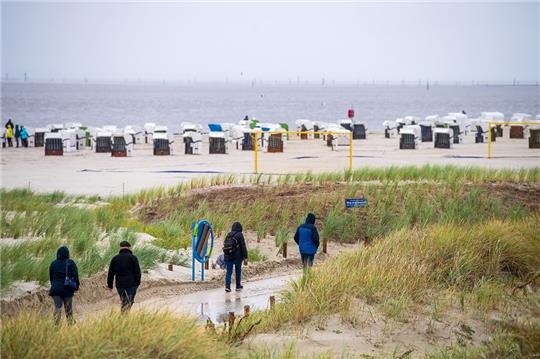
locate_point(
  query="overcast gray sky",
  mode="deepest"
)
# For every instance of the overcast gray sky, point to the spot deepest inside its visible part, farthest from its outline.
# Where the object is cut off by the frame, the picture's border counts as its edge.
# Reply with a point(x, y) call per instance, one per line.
point(272, 41)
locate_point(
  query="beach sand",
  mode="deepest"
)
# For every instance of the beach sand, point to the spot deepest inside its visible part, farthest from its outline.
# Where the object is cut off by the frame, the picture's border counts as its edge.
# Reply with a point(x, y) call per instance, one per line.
point(85, 172)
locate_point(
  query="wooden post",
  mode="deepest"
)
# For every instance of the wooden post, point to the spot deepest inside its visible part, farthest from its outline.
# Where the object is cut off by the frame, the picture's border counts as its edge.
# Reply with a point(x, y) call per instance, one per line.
point(206, 266)
point(284, 250)
point(245, 262)
point(324, 246)
point(170, 267)
point(246, 310)
point(231, 319)
point(272, 302)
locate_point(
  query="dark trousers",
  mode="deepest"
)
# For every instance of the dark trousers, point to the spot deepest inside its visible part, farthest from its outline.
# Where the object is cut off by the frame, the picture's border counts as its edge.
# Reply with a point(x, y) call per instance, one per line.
point(67, 303)
point(10, 142)
point(127, 297)
point(24, 143)
point(17, 141)
point(237, 264)
point(307, 259)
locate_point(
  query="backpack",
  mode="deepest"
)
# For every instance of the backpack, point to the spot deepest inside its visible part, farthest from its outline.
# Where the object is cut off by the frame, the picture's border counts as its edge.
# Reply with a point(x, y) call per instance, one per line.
point(230, 245)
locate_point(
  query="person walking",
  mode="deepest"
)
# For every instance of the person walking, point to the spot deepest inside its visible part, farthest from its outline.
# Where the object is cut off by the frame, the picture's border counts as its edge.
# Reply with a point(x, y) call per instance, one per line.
point(9, 133)
point(124, 269)
point(64, 278)
point(235, 251)
point(17, 135)
point(24, 137)
point(307, 238)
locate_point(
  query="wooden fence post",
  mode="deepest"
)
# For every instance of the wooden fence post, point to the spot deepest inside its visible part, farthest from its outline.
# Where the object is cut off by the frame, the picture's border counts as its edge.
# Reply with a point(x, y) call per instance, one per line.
point(231, 320)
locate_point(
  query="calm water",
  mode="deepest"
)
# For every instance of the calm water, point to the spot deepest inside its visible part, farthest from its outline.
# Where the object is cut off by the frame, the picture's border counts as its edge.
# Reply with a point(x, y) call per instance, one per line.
point(37, 104)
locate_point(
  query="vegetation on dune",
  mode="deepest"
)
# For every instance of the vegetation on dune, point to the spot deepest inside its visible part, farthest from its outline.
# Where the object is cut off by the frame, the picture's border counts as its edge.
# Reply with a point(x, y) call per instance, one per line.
point(435, 195)
point(277, 210)
point(113, 335)
point(470, 267)
point(433, 237)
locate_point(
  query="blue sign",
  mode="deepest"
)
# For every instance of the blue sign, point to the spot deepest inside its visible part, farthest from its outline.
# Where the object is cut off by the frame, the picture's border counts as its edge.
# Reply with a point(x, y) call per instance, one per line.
point(356, 202)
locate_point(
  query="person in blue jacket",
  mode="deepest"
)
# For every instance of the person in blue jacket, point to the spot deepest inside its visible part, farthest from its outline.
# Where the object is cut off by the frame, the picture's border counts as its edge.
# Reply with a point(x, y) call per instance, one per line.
point(24, 137)
point(307, 238)
point(62, 295)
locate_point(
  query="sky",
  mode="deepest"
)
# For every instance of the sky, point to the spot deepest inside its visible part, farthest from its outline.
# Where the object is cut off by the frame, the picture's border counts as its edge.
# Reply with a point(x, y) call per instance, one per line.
point(241, 41)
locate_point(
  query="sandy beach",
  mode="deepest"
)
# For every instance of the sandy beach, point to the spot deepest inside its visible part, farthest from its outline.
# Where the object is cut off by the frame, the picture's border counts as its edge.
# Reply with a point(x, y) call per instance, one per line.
point(85, 172)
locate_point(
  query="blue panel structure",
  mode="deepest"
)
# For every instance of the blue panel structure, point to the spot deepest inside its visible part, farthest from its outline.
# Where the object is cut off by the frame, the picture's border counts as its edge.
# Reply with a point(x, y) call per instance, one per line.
point(202, 244)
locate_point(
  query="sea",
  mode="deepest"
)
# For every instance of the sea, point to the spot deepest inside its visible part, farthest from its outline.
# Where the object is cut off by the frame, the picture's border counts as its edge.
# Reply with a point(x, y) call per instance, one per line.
point(98, 104)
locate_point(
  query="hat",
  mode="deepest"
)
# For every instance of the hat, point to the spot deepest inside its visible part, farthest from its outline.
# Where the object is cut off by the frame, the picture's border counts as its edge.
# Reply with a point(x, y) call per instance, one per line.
point(125, 244)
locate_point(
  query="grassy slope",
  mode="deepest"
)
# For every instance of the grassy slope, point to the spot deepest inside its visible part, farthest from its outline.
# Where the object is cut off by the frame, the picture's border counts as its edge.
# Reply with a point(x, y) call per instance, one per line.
point(432, 269)
point(274, 210)
point(137, 335)
point(461, 245)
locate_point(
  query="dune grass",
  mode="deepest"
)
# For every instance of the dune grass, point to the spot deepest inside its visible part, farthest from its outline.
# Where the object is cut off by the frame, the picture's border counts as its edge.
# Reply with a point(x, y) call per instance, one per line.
point(441, 240)
point(435, 195)
point(113, 335)
point(512, 340)
point(475, 267)
point(391, 206)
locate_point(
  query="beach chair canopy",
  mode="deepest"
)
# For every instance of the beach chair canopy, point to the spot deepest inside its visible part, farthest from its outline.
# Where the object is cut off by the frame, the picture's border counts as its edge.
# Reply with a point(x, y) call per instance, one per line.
point(215, 127)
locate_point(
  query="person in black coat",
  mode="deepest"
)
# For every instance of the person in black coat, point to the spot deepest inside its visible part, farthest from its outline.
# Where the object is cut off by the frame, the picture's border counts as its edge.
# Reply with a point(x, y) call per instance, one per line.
point(125, 269)
point(235, 258)
point(62, 295)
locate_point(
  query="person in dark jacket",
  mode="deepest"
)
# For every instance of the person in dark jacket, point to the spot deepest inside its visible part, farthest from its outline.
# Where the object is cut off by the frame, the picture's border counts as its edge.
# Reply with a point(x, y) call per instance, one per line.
point(62, 295)
point(17, 135)
point(125, 268)
point(235, 259)
point(307, 238)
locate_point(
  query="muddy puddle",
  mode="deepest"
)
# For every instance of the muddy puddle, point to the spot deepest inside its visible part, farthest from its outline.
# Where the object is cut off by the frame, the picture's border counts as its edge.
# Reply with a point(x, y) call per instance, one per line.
point(215, 304)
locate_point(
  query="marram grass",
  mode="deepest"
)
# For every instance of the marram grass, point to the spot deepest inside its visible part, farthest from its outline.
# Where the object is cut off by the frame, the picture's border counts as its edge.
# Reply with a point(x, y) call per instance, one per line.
point(111, 335)
point(399, 197)
point(413, 266)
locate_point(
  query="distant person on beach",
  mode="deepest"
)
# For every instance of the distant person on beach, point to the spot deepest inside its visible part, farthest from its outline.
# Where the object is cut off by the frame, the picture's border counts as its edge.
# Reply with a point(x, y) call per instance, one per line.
point(246, 118)
point(125, 268)
point(17, 135)
point(64, 278)
point(24, 137)
point(9, 133)
point(235, 251)
point(307, 238)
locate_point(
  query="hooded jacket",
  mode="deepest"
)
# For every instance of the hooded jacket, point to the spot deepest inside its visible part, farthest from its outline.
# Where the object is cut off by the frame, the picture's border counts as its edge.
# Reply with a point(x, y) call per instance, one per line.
point(307, 236)
point(24, 133)
point(57, 274)
point(125, 267)
point(241, 251)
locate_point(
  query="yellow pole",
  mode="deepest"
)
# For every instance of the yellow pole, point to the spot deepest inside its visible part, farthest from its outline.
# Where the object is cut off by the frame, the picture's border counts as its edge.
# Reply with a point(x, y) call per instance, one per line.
point(489, 140)
point(350, 152)
point(256, 152)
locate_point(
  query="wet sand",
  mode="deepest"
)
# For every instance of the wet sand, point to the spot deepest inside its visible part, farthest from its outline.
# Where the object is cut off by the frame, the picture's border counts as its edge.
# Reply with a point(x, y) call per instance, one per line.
point(85, 172)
